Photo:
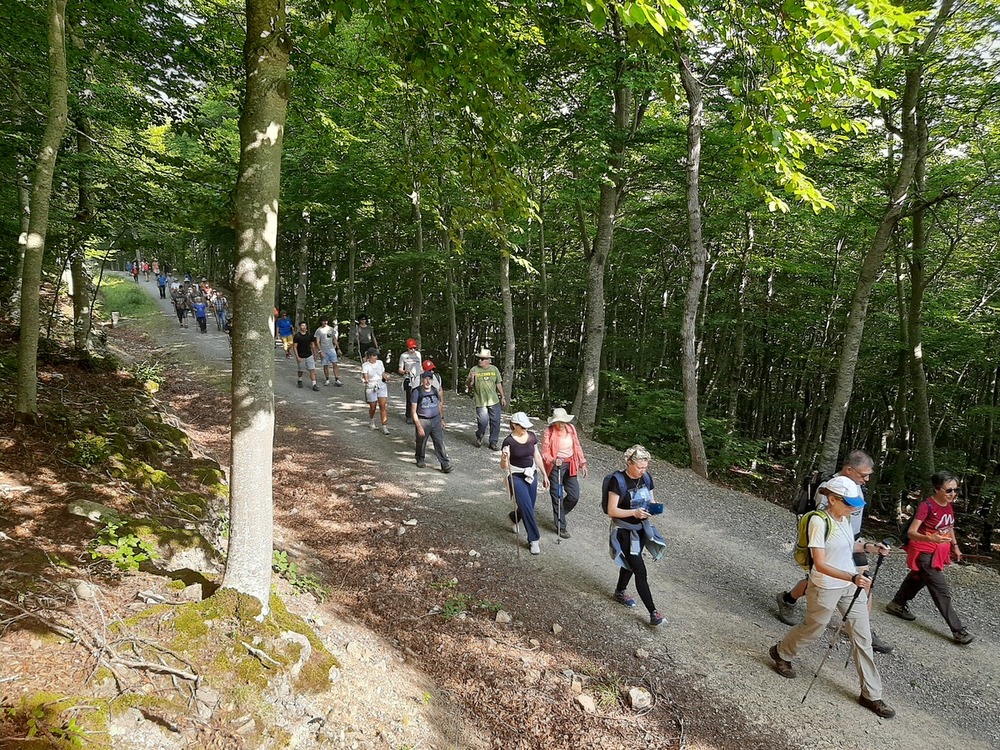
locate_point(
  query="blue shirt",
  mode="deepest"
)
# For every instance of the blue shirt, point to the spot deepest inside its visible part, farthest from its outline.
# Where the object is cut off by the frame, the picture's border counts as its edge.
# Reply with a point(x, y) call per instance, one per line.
point(284, 326)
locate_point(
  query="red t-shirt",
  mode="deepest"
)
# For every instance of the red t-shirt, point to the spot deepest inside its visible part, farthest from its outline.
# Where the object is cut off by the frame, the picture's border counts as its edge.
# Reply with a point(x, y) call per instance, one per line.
point(935, 519)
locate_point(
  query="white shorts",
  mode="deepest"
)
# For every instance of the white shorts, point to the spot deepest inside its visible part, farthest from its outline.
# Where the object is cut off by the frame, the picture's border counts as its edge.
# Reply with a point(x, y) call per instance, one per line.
point(329, 357)
point(308, 363)
point(374, 393)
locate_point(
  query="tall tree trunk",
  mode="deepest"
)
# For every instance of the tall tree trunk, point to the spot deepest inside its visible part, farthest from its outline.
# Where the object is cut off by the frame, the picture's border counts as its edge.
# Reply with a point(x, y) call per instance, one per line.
point(262, 123)
point(689, 349)
point(352, 297)
point(508, 324)
point(26, 407)
point(417, 298)
point(544, 302)
point(302, 285)
point(84, 213)
point(898, 195)
point(452, 314)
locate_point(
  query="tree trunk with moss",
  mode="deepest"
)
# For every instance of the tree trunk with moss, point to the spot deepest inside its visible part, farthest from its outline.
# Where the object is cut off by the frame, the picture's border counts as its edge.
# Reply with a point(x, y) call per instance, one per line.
point(262, 122)
point(26, 407)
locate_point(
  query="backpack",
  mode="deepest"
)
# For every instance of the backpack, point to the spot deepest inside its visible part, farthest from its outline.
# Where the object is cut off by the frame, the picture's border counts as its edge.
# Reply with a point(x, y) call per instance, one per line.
point(802, 554)
point(805, 497)
point(422, 396)
point(619, 486)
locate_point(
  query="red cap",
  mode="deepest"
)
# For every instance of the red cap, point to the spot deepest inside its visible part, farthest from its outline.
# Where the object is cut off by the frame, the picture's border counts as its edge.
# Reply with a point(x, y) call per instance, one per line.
point(428, 365)
point(411, 344)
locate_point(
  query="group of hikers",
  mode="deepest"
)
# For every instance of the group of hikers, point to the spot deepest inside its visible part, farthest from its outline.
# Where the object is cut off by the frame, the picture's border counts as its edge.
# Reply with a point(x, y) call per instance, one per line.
point(197, 300)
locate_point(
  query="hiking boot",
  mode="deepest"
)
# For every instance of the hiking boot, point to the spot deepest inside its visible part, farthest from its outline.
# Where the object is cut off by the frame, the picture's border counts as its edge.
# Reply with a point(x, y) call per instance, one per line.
point(622, 598)
point(479, 442)
point(963, 637)
point(879, 646)
point(447, 469)
point(786, 611)
point(315, 387)
point(563, 534)
point(535, 548)
point(420, 464)
point(299, 384)
point(494, 447)
point(655, 618)
point(879, 707)
point(899, 610)
point(782, 667)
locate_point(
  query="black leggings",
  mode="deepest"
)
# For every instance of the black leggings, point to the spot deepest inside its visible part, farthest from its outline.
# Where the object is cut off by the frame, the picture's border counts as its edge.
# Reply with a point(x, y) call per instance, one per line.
point(638, 569)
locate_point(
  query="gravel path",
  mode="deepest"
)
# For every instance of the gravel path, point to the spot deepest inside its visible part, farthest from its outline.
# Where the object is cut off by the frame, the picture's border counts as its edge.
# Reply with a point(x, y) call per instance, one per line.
point(729, 554)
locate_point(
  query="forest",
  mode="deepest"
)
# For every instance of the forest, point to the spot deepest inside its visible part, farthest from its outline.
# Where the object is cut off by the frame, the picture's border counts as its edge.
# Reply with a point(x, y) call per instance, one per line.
point(750, 236)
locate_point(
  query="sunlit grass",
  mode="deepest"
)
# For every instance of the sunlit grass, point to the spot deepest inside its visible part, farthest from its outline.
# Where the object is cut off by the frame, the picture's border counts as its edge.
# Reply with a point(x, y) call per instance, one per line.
point(125, 297)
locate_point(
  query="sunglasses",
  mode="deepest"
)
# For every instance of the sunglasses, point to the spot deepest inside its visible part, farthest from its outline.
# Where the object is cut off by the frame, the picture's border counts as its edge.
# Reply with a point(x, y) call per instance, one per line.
point(951, 491)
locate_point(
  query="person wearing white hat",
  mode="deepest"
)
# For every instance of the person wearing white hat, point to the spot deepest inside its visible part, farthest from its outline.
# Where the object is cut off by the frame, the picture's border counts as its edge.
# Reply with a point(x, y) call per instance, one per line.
point(520, 459)
point(564, 461)
point(485, 383)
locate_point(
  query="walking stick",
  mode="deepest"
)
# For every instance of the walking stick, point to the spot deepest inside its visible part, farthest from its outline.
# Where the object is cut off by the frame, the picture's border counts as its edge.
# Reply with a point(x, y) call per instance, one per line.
point(833, 642)
point(559, 494)
point(510, 493)
point(878, 564)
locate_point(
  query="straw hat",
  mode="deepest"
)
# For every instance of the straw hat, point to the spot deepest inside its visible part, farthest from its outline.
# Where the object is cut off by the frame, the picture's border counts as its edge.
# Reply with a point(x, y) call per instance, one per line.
point(560, 415)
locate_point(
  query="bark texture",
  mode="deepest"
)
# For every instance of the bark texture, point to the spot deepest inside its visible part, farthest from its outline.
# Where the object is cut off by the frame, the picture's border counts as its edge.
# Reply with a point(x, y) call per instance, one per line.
point(26, 406)
point(262, 122)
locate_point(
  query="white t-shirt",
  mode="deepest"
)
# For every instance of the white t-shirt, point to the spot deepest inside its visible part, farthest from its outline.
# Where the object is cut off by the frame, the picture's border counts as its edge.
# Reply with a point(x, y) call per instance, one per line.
point(839, 550)
point(410, 364)
point(327, 338)
point(374, 371)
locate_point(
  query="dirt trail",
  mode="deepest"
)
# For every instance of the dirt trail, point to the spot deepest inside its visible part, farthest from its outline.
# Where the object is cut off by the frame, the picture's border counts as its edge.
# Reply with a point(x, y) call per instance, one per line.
point(728, 555)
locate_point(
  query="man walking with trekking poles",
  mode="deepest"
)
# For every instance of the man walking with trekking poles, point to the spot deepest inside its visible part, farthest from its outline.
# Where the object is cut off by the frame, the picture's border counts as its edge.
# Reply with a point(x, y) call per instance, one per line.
point(835, 584)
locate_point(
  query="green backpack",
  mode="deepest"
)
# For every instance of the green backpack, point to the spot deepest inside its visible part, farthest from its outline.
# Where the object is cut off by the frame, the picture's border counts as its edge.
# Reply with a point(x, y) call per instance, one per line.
point(802, 554)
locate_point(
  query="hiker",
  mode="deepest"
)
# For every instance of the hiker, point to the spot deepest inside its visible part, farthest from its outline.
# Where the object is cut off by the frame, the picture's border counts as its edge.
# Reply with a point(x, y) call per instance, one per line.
point(428, 366)
point(161, 282)
point(329, 346)
point(564, 461)
point(427, 415)
point(520, 458)
point(376, 392)
point(485, 383)
point(145, 271)
point(858, 466)
point(180, 302)
point(364, 335)
point(285, 331)
point(135, 272)
point(410, 369)
point(200, 308)
point(834, 581)
point(305, 349)
point(932, 542)
point(220, 305)
point(629, 504)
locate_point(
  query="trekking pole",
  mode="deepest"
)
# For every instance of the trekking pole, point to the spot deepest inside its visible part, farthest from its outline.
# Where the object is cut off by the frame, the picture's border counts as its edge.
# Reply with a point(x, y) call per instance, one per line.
point(878, 564)
point(559, 494)
point(833, 642)
point(510, 494)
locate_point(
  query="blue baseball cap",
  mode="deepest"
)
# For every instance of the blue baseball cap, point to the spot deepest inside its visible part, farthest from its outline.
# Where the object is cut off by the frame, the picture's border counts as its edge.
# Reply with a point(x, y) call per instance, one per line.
point(845, 488)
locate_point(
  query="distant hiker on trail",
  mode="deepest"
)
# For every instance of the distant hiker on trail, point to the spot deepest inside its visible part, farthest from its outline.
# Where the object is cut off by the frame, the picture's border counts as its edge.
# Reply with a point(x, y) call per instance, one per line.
point(932, 542)
point(858, 467)
point(410, 369)
point(521, 459)
point(364, 335)
point(427, 412)
point(180, 302)
point(834, 581)
point(200, 308)
point(285, 331)
point(161, 282)
point(145, 271)
point(220, 306)
point(156, 268)
point(305, 354)
point(564, 461)
point(485, 383)
point(630, 503)
point(329, 347)
point(135, 272)
point(376, 392)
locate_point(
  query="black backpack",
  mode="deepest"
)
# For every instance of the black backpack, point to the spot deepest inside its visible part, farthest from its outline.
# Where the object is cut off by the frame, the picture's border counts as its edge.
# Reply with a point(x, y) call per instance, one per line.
point(618, 477)
point(805, 497)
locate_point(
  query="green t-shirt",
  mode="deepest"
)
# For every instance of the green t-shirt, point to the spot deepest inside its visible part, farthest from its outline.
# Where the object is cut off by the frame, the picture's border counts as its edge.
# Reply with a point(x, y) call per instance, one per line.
point(484, 385)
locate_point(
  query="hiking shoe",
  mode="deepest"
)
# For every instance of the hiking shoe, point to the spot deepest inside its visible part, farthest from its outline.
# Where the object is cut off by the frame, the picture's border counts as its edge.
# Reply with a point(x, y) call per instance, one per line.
point(879, 707)
point(494, 447)
point(299, 384)
point(535, 549)
point(326, 382)
point(420, 464)
point(782, 667)
point(563, 534)
point(315, 387)
point(371, 423)
point(479, 442)
point(655, 618)
point(879, 646)
point(385, 430)
point(899, 610)
point(963, 637)
point(786, 611)
point(447, 469)
point(337, 383)
point(622, 598)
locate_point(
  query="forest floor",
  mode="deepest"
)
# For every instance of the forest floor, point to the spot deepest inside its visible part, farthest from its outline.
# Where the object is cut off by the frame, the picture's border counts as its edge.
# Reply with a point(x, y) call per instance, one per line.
point(416, 565)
